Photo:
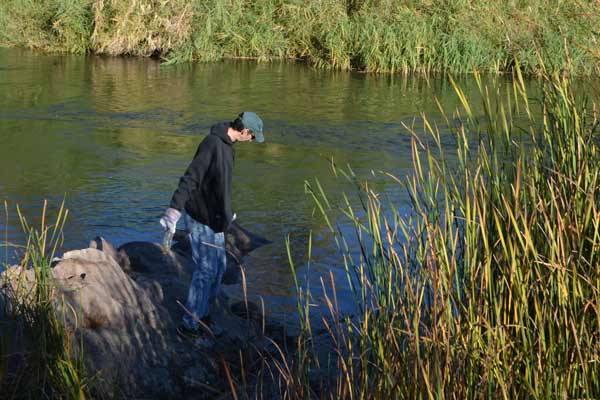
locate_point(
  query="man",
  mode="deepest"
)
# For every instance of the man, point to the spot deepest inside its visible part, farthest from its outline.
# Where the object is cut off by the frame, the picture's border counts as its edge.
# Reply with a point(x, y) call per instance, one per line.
point(204, 192)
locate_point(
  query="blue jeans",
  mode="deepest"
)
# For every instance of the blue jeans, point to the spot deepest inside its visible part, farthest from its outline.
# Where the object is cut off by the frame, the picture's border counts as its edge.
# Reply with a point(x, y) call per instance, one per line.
point(208, 253)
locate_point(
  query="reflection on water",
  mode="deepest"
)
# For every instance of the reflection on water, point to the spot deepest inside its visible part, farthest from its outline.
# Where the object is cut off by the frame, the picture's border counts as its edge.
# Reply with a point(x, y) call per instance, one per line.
point(113, 135)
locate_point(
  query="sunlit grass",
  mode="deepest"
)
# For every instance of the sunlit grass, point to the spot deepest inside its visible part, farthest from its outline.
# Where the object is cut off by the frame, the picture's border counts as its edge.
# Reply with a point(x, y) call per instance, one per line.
point(490, 287)
point(455, 36)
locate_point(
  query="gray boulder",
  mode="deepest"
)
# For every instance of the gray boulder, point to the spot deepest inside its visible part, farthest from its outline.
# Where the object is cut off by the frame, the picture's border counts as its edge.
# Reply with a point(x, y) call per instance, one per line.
point(123, 307)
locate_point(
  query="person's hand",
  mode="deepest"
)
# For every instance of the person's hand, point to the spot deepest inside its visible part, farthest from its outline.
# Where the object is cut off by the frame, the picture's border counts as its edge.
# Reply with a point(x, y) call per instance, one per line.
point(234, 217)
point(169, 219)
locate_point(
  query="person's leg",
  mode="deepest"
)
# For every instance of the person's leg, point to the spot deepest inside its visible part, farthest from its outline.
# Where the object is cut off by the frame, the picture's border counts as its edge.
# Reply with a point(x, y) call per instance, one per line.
point(198, 301)
point(219, 260)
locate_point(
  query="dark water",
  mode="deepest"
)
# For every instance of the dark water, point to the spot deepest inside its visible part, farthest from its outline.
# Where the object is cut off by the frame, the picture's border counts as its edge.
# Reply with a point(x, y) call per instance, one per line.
point(112, 136)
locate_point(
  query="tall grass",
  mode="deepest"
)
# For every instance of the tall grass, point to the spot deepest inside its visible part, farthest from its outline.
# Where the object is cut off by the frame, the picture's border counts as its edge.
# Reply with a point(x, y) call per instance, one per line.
point(369, 35)
point(46, 366)
point(63, 25)
point(490, 287)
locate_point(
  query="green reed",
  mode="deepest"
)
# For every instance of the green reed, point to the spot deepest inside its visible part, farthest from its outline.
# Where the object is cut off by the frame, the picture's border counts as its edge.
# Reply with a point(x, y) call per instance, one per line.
point(368, 35)
point(490, 286)
point(47, 364)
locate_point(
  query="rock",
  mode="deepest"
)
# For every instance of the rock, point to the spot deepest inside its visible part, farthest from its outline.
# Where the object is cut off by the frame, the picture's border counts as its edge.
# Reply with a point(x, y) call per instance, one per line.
point(123, 307)
point(233, 272)
point(249, 310)
point(124, 328)
point(12, 348)
point(196, 377)
point(101, 244)
point(16, 283)
point(149, 258)
point(4, 310)
point(94, 284)
point(158, 383)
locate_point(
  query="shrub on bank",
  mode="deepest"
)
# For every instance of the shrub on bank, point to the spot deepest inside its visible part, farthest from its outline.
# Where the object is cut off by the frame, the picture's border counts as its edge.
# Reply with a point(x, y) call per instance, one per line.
point(368, 35)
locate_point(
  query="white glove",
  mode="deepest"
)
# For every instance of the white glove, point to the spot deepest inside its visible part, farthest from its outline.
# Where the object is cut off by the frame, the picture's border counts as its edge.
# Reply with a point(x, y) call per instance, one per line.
point(234, 217)
point(169, 220)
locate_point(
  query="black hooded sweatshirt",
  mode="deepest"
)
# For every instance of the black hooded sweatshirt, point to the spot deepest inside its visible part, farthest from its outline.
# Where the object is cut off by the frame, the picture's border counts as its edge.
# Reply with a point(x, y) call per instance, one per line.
point(204, 191)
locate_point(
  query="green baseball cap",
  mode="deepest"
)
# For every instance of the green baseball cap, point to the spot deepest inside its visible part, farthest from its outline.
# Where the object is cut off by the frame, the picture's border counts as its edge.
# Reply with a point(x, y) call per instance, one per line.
point(255, 124)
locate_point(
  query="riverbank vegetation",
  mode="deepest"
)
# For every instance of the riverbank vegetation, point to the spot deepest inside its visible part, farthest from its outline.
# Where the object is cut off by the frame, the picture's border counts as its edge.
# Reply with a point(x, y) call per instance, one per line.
point(456, 36)
point(490, 286)
point(37, 357)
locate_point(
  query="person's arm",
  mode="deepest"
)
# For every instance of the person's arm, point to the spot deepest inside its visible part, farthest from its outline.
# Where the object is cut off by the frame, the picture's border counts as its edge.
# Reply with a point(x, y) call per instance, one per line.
point(193, 175)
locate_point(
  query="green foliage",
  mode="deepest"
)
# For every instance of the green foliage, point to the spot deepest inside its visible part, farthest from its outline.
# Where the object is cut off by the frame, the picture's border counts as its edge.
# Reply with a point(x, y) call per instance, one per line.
point(237, 29)
point(55, 25)
point(455, 36)
point(490, 287)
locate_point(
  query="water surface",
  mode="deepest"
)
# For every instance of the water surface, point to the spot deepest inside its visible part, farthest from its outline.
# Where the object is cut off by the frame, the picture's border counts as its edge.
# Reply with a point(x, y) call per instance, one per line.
point(112, 136)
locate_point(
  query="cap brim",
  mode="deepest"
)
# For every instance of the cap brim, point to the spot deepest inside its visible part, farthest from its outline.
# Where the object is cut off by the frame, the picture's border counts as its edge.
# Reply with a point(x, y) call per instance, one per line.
point(258, 137)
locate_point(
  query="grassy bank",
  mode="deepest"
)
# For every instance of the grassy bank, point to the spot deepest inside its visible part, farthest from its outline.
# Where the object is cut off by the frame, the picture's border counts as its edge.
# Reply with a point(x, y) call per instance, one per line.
point(369, 35)
point(490, 286)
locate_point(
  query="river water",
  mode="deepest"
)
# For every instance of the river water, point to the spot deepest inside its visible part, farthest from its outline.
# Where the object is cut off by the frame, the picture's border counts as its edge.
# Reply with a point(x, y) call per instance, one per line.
point(112, 136)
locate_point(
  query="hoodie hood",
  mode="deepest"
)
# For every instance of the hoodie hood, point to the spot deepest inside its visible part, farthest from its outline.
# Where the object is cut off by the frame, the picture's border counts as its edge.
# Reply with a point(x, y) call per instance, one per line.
point(220, 130)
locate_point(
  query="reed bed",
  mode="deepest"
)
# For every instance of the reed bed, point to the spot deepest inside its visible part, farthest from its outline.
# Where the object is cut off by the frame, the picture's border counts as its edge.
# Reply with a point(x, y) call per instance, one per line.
point(454, 36)
point(490, 286)
point(35, 341)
